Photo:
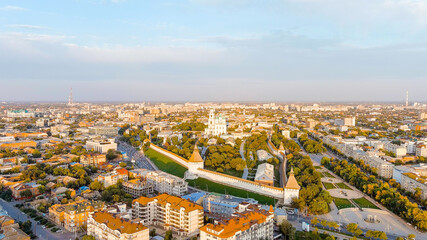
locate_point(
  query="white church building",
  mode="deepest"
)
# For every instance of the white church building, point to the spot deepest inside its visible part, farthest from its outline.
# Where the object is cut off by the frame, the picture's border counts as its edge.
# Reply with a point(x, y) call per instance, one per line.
point(216, 125)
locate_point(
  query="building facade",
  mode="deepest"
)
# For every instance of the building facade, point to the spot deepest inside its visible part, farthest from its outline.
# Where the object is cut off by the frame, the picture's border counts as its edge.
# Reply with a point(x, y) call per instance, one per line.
point(248, 225)
point(101, 146)
point(216, 125)
point(138, 188)
point(73, 216)
point(171, 212)
point(108, 226)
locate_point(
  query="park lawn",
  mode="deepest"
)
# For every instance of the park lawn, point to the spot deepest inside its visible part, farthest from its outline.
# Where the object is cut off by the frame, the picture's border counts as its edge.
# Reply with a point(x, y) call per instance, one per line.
point(342, 203)
point(165, 164)
point(209, 186)
point(364, 203)
point(343, 186)
point(327, 174)
point(328, 185)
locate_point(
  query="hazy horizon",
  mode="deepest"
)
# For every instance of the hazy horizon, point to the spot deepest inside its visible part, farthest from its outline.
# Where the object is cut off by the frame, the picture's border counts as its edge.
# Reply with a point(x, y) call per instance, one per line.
point(214, 50)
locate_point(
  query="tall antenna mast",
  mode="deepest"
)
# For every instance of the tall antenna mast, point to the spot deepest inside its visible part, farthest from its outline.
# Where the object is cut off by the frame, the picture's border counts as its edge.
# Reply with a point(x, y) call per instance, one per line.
point(407, 98)
point(70, 98)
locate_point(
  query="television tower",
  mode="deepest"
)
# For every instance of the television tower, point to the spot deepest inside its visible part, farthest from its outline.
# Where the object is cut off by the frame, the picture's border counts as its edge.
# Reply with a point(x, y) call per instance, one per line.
point(407, 98)
point(70, 98)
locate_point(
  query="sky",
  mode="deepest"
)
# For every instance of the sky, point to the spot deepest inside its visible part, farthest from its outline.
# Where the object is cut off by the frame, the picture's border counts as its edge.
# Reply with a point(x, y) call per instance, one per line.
point(213, 50)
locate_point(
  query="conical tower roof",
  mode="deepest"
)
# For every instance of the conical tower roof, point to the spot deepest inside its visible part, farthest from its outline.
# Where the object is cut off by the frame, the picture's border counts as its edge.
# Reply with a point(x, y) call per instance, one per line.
point(281, 148)
point(195, 157)
point(292, 182)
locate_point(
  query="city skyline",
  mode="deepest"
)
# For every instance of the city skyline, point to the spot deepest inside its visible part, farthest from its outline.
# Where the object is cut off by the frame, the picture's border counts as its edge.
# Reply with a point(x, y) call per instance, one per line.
point(214, 50)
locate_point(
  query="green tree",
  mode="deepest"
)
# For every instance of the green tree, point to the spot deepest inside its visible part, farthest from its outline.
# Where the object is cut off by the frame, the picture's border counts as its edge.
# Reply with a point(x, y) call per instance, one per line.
point(26, 194)
point(123, 164)
point(88, 237)
point(168, 235)
point(287, 230)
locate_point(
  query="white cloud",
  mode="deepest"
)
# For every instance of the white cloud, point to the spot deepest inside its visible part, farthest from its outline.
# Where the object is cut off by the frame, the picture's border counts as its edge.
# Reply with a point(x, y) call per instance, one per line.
point(12, 8)
point(26, 26)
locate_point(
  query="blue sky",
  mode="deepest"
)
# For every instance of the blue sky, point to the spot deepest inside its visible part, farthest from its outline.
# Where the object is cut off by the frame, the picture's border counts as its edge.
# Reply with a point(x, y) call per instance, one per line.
point(213, 50)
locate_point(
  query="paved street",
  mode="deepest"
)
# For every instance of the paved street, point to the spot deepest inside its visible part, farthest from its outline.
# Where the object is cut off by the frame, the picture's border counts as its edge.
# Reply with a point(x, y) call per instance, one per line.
point(140, 160)
point(38, 230)
point(242, 154)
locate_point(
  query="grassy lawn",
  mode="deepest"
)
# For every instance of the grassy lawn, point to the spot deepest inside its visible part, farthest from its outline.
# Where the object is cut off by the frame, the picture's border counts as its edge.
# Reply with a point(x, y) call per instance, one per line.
point(343, 186)
point(210, 186)
point(364, 203)
point(342, 203)
point(317, 167)
point(165, 164)
point(328, 185)
point(327, 174)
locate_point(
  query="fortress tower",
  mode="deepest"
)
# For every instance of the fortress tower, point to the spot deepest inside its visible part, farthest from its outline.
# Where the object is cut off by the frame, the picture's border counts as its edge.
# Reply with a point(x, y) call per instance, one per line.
point(291, 189)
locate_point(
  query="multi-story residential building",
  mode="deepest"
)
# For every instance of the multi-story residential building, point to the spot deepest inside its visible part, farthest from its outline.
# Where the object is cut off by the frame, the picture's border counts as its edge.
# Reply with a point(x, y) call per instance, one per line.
point(171, 212)
point(113, 177)
point(21, 113)
point(108, 226)
point(104, 131)
point(224, 205)
point(163, 182)
point(216, 125)
point(248, 225)
point(384, 168)
point(421, 150)
point(397, 150)
point(93, 159)
point(310, 123)
point(265, 174)
point(138, 188)
point(413, 181)
point(101, 146)
point(73, 216)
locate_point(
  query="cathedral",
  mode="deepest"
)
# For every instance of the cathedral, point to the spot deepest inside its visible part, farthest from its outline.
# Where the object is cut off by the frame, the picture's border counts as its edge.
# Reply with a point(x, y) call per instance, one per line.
point(216, 125)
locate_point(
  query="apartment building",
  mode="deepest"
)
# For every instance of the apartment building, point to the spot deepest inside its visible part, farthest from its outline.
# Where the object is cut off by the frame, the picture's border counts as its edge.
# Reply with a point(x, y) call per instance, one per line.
point(412, 181)
point(102, 145)
point(18, 190)
point(171, 212)
point(73, 216)
point(138, 188)
point(113, 177)
point(93, 159)
point(224, 205)
point(397, 150)
point(421, 150)
point(384, 168)
point(252, 224)
point(108, 226)
point(162, 182)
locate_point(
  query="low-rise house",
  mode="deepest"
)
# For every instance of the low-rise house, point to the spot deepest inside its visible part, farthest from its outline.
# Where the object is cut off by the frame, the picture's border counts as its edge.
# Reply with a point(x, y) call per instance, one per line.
point(22, 191)
point(113, 177)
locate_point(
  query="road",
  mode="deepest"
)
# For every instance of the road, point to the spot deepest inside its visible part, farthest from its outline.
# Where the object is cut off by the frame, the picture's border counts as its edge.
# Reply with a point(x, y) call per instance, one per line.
point(141, 161)
point(38, 230)
point(242, 154)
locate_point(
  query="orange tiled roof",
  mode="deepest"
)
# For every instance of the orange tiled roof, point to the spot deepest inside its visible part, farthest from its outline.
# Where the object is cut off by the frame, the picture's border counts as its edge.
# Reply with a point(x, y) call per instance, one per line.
point(175, 202)
point(195, 157)
point(292, 182)
point(116, 223)
point(236, 224)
